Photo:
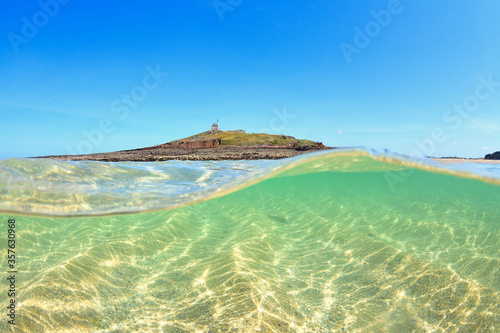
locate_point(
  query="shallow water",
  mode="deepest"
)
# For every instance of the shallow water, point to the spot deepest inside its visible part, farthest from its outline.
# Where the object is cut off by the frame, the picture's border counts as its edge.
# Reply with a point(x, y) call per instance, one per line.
point(333, 242)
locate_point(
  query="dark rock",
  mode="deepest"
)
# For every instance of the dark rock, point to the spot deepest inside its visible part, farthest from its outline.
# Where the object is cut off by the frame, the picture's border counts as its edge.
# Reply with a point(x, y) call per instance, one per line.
point(193, 144)
point(278, 219)
point(494, 156)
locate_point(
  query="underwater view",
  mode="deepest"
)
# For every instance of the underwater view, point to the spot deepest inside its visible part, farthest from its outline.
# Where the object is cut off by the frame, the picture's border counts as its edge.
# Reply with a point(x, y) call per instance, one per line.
point(337, 241)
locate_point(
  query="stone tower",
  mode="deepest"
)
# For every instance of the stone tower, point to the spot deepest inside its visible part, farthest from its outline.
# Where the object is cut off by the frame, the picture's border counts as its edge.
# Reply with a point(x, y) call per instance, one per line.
point(215, 126)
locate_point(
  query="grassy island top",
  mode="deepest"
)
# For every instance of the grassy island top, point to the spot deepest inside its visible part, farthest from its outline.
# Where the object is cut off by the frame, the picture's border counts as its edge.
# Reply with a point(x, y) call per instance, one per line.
point(240, 138)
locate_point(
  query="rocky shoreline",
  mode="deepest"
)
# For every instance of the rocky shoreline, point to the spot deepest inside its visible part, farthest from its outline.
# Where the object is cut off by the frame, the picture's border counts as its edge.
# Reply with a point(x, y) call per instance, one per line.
point(154, 154)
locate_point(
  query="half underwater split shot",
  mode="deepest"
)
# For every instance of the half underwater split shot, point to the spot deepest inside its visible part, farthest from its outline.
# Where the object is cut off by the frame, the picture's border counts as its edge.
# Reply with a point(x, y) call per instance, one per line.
point(336, 241)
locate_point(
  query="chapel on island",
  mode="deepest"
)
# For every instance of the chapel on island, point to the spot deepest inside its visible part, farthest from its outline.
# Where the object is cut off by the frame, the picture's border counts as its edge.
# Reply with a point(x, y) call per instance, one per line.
point(215, 126)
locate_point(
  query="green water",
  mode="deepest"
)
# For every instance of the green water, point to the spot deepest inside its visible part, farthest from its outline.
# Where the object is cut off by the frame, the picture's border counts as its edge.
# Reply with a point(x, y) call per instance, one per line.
point(324, 251)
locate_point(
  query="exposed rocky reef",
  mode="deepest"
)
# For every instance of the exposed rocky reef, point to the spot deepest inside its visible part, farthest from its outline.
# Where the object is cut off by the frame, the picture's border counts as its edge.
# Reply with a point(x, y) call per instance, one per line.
point(191, 154)
point(211, 145)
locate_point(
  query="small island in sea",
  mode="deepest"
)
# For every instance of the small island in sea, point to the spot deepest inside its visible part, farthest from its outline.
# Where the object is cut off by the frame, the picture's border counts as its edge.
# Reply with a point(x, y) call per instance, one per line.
point(493, 156)
point(210, 145)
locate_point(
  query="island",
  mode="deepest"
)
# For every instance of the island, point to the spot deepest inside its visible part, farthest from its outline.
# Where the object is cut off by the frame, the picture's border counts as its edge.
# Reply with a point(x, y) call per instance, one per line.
point(210, 145)
point(493, 156)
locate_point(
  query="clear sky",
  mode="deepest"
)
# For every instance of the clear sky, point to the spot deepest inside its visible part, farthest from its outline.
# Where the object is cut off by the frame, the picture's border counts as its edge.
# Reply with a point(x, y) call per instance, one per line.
point(414, 77)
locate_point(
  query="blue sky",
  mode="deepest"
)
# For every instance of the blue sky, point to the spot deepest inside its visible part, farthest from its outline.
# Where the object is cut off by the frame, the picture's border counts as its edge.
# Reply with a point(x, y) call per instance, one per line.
point(414, 77)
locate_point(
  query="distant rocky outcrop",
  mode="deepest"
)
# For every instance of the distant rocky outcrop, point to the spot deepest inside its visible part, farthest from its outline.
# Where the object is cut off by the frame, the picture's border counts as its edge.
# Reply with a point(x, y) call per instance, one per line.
point(216, 138)
point(193, 144)
point(215, 145)
point(494, 156)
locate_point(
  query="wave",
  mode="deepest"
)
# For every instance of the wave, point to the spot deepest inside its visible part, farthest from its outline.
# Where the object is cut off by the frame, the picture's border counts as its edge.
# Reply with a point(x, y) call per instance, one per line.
point(70, 188)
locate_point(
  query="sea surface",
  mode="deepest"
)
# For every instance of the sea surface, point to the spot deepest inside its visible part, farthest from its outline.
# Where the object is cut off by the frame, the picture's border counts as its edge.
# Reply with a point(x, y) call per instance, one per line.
point(337, 241)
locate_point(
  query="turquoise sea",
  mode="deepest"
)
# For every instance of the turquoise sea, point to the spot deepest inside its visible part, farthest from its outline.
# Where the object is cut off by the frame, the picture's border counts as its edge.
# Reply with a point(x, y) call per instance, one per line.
point(338, 241)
